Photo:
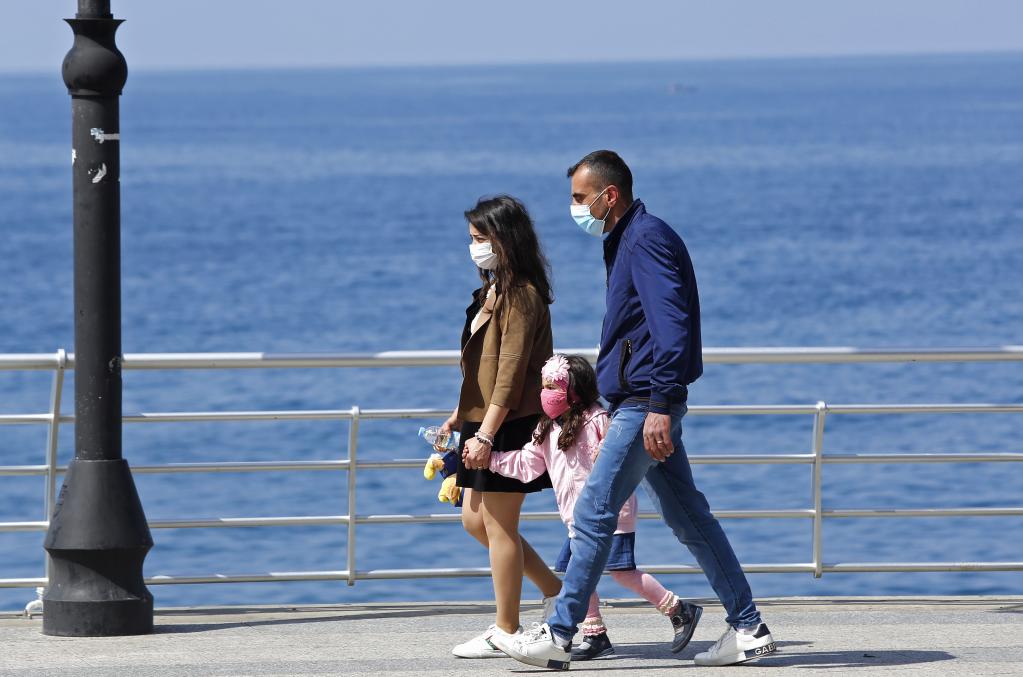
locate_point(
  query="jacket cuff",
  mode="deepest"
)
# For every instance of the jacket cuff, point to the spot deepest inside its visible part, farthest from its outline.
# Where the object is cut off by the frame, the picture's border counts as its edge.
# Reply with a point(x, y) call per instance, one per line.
point(659, 404)
point(504, 397)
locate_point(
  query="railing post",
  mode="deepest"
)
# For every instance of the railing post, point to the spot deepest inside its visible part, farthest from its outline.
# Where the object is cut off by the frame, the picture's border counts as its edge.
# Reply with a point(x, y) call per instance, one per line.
point(50, 490)
point(818, 512)
point(353, 446)
point(52, 436)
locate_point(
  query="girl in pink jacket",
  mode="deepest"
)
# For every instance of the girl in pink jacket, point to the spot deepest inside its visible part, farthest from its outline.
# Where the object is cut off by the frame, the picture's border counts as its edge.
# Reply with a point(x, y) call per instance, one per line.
point(565, 444)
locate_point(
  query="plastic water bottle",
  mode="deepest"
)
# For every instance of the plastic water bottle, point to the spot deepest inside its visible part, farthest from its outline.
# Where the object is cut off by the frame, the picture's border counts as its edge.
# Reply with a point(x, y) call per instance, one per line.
point(439, 439)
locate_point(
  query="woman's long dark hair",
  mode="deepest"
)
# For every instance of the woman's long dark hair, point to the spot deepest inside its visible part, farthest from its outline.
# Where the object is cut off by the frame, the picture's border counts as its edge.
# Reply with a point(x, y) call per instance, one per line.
point(583, 382)
point(520, 260)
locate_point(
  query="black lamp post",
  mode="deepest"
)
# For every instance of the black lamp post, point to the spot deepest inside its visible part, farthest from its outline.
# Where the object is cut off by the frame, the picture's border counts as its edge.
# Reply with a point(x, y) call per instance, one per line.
point(98, 537)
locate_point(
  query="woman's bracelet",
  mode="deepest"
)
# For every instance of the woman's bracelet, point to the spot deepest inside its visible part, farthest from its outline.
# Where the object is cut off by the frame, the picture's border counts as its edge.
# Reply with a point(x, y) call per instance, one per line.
point(484, 438)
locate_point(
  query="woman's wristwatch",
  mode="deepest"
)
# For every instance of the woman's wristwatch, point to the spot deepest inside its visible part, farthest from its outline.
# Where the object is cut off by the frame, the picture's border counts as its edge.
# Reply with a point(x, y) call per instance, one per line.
point(484, 438)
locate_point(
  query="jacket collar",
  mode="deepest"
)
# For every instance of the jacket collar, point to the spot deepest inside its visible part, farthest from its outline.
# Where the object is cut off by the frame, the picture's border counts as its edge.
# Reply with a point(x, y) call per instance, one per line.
point(470, 313)
point(618, 232)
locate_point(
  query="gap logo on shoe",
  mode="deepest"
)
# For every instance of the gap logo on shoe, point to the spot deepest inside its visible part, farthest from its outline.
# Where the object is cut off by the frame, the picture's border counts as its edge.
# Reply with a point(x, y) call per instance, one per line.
point(738, 647)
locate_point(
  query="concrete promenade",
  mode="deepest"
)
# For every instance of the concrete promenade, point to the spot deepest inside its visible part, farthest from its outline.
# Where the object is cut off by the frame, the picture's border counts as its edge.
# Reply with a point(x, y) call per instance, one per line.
point(845, 636)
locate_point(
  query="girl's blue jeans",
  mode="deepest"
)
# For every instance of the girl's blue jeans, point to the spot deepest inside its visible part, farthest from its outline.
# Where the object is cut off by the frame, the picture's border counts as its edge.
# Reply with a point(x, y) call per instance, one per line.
point(622, 465)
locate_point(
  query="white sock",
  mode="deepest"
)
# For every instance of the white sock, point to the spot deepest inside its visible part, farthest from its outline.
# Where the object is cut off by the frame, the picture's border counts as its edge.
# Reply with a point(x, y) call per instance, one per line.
point(561, 641)
point(748, 631)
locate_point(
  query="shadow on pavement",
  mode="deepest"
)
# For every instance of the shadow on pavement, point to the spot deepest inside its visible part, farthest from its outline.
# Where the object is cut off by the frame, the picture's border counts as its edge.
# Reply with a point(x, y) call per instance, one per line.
point(853, 659)
point(788, 656)
point(1016, 609)
point(309, 615)
point(658, 650)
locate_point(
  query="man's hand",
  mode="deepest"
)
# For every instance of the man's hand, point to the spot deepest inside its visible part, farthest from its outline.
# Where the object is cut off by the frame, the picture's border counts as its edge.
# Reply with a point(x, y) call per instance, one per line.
point(657, 436)
point(476, 455)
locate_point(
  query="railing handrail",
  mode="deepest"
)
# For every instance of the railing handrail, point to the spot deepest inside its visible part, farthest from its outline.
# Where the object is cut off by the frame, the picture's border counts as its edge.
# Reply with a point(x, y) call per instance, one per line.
point(442, 358)
point(815, 457)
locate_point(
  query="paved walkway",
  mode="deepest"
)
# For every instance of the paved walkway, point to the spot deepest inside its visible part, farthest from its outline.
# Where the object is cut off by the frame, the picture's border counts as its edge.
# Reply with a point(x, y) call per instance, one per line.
point(849, 636)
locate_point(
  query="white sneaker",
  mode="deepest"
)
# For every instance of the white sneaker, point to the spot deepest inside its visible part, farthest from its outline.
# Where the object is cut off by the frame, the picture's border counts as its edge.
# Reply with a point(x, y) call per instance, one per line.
point(482, 645)
point(535, 647)
point(738, 647)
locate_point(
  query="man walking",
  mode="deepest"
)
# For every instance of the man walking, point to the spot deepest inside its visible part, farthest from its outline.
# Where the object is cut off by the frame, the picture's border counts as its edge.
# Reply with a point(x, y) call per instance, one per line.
point(650, 352)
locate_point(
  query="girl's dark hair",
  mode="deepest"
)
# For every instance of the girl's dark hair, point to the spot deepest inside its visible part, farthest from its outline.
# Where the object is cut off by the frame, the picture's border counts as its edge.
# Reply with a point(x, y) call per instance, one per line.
point(583, 382)
point(520, 260)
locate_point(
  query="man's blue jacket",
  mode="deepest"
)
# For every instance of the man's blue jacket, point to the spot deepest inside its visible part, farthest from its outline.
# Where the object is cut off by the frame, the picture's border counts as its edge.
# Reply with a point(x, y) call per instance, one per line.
point(650, 346)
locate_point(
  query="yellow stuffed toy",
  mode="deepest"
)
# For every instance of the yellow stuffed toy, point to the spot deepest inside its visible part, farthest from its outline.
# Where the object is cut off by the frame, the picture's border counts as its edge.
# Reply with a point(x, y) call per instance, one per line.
point(445, 463)
point(447, 466)
point(450, 492)
point(433, 464)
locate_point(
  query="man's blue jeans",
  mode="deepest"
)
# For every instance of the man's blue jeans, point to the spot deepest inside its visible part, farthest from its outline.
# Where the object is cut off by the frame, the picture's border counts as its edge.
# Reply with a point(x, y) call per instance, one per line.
point(622, 464)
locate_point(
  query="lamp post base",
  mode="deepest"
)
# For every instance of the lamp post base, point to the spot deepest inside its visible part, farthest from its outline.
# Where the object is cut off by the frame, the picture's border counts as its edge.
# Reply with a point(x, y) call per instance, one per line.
point(111, 618)
point(98, 539)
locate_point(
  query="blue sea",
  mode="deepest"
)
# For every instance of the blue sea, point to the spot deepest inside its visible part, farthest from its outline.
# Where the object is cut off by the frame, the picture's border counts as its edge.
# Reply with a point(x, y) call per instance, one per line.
point(871, 202)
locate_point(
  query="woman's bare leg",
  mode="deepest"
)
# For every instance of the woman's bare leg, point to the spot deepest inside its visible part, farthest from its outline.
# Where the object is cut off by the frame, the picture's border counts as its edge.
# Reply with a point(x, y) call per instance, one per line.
point(501, 518)
point(534, 567)
point(472, 516)
point(538, 572)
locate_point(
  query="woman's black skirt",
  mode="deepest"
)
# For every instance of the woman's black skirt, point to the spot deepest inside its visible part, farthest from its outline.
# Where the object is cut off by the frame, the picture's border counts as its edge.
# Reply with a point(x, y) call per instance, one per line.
point(511, 436)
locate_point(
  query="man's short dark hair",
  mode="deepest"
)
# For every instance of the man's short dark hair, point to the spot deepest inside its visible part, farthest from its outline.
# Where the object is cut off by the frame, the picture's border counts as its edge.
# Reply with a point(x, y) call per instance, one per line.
point(609, 168)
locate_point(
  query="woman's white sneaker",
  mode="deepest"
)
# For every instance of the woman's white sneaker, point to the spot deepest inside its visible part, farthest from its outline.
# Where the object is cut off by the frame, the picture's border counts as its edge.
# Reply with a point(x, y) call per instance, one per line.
point(482, 646)
point(738, 647)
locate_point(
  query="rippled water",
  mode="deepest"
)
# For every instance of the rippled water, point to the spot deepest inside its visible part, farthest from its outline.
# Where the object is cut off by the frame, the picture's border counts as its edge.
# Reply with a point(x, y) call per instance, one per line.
point(866, 202)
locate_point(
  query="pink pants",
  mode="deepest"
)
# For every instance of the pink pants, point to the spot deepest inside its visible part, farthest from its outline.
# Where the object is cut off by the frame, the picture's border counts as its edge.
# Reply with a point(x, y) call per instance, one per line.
point(640, 582)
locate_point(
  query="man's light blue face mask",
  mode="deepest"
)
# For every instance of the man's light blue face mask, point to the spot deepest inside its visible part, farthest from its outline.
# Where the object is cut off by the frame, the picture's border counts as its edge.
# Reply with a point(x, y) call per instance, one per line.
point(589, 223)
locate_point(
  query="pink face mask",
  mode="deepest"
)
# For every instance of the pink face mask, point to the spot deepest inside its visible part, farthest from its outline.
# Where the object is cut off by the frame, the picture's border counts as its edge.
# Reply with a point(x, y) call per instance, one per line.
point(554, 402)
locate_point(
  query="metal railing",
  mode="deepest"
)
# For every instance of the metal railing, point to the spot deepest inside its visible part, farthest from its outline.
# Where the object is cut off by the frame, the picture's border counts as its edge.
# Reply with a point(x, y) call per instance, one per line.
point(61, 361)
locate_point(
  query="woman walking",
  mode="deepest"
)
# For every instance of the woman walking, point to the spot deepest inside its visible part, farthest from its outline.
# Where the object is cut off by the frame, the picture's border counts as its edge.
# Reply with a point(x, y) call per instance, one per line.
point(506, 340)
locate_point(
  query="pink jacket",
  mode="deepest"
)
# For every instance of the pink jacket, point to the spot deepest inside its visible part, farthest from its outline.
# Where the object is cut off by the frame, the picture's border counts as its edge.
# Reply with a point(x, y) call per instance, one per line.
point(568, 469)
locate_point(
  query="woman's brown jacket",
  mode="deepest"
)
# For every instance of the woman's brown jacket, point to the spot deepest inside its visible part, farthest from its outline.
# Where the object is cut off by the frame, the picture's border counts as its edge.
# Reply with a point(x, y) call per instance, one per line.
point(501, 362)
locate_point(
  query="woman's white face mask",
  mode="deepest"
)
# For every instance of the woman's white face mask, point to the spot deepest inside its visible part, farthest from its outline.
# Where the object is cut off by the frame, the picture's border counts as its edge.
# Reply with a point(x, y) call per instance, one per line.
point(483, 255)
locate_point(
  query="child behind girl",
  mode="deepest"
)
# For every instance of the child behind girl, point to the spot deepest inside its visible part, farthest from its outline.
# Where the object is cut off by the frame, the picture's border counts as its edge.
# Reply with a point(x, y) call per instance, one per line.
point(565, 444)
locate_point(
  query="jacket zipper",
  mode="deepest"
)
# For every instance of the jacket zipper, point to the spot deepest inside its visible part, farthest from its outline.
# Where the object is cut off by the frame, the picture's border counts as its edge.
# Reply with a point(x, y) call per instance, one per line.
point(623, 360)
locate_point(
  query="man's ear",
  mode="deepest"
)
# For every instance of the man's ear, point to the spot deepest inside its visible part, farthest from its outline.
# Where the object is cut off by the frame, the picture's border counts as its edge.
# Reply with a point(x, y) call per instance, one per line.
point(612, 196)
